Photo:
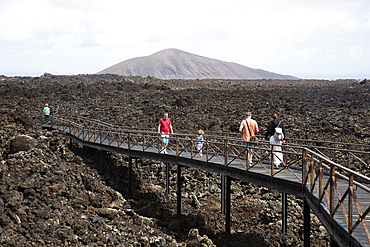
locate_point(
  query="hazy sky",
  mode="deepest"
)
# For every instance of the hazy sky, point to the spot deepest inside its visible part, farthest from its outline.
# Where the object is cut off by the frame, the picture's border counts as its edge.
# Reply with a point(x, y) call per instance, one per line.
point(327, 39)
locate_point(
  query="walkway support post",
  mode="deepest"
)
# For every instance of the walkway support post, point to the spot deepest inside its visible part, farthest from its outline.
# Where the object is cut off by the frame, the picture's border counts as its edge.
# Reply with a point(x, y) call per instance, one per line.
point(129, 176)
point(167, 178)
point(179, 191)
point(228, 203)
point(222, 194)
point(306, 224)
point(284, 213)
point(101, 153)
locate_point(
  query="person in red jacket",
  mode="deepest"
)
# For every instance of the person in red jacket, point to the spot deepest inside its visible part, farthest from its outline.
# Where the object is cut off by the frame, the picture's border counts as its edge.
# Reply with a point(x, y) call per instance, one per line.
point(164, 128)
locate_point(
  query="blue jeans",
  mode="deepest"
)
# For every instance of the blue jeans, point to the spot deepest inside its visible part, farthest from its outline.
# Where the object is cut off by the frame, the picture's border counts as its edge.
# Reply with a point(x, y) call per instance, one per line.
point(247, 144)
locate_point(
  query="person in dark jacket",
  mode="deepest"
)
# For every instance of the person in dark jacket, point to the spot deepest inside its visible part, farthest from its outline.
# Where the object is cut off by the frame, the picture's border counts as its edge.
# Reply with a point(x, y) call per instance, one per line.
point(271, 136)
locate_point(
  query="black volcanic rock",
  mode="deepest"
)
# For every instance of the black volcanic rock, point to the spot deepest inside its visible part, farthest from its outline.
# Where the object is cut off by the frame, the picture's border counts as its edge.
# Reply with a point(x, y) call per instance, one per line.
point(49, 197)
point(22, 143)
point(57, 194)
point(176, 64)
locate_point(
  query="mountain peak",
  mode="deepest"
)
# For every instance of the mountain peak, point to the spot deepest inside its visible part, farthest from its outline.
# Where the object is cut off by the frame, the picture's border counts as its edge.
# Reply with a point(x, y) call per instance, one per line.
point(173, 63)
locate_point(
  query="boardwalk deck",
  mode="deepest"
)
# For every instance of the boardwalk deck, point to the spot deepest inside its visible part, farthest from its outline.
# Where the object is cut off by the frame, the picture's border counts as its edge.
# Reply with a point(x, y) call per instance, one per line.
point(286, 179)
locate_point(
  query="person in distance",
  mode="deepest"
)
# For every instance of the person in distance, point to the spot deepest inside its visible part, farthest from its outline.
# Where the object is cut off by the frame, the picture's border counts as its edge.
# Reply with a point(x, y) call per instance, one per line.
point(275, 138)
point(248, 129)
point(164, 128)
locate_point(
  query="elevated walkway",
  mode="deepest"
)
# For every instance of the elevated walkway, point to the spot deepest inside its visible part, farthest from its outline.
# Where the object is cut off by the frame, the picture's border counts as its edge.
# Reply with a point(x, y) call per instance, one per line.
point(337, 195)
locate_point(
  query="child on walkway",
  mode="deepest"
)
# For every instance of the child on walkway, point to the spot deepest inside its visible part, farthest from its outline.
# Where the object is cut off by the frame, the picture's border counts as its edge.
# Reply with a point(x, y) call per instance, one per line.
point(46, 112)
point(199, 143)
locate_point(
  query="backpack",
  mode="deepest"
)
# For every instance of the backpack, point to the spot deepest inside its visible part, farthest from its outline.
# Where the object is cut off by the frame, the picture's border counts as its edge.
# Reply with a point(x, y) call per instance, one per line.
point(278, 135)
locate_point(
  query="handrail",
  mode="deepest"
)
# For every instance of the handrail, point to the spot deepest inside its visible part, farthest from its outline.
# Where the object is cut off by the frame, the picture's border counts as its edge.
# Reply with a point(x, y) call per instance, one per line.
point(214, 133)
point(223, 138)
point(315, 171)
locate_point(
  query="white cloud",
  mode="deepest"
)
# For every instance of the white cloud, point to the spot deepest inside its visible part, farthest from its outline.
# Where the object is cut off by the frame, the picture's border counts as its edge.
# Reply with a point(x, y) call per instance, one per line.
point(282, 36)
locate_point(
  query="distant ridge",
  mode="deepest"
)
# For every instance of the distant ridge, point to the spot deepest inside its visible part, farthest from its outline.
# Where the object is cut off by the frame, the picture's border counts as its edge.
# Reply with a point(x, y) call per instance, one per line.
point(177, 64)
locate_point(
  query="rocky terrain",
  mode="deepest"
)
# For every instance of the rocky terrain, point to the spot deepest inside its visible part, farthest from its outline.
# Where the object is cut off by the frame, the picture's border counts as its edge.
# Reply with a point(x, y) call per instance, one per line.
point(59, 194)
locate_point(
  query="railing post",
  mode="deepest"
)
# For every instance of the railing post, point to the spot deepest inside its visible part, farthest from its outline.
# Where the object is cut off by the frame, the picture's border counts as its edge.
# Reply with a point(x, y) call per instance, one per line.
point(117, 139)
point(108, 136)
point(349, 160)
point(304, 168)
point(332, 180)
point(177, 145)
point(225, 152)
point(320, 178)
point(272, 161)
point(143, 142)
point(101, 138)
point(129, 140)
point(246, 155)
point(246, 152)
point(350, 205)
point(311, 171)
point(192, 147)
point(83, 131)
point(207, 148)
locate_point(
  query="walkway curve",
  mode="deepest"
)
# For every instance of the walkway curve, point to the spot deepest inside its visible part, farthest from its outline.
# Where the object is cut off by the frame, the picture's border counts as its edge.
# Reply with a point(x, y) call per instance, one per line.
point(337, 195)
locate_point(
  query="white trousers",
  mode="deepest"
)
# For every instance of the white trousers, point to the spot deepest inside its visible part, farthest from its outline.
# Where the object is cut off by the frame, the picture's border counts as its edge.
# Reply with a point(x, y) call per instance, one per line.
point(278, 157)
